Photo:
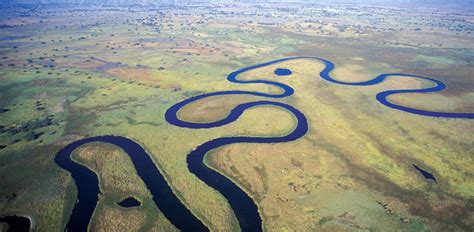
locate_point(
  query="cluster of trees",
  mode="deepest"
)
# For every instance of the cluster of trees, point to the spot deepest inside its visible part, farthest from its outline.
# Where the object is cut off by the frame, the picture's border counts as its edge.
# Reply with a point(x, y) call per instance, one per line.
point(95, 2)
point(154, 2)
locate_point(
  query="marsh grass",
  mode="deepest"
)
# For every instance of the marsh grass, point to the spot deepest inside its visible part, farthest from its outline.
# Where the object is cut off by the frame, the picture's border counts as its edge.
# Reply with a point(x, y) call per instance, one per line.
point(352, 171)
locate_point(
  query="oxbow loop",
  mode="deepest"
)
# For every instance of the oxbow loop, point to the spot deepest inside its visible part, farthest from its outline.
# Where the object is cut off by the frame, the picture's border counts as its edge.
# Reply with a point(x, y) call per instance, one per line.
point(243, 205)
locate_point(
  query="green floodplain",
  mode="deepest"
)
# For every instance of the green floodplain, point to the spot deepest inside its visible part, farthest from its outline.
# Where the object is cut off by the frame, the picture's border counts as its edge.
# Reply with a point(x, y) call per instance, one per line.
point(69, 72)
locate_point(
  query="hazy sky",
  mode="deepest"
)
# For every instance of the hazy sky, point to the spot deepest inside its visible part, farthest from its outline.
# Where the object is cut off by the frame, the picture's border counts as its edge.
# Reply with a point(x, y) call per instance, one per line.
point(470, 2)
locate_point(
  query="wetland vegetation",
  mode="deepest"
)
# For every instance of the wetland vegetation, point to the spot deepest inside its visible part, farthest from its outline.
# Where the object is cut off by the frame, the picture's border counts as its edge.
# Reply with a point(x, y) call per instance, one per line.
point(299, 149)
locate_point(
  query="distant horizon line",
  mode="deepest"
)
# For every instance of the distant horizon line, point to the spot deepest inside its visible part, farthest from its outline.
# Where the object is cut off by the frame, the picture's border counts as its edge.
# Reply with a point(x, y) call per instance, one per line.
point(150, 2)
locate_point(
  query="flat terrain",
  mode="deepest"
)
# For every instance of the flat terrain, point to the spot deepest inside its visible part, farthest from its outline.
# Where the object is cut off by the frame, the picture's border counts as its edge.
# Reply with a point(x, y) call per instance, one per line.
point(70, 72)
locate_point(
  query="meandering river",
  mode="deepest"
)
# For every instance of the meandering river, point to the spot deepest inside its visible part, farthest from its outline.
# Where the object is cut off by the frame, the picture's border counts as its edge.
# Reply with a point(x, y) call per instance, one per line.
point(244, 207)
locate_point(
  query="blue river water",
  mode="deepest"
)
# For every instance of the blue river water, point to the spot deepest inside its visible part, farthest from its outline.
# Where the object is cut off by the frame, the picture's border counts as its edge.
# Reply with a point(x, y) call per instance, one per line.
point(17, 223)
point(283, 72)
point(129, 202)
point(244, 207)
point(88, 185)
point(427, 175)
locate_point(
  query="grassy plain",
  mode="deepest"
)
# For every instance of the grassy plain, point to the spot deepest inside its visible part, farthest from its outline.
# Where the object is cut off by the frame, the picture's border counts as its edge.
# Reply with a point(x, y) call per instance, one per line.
point(68, 73)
